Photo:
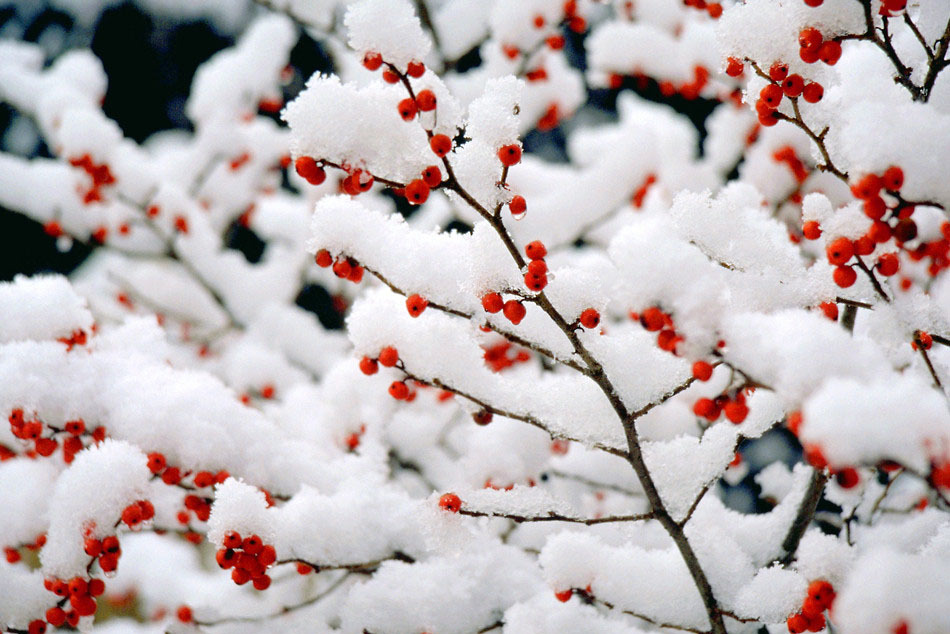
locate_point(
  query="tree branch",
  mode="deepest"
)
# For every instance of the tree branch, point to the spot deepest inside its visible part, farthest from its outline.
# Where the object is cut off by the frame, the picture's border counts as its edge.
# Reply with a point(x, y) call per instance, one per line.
point(553, 516)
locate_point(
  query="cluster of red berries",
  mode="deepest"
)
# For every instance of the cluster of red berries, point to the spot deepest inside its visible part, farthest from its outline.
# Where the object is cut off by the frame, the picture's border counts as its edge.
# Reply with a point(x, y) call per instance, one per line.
point(689, 90)
point(938, 251)
point(425, 101)
point(174, 476)
point(34, 431)
point(840, 251)
point(248, 559)
point(655, 320)
point(497, 356)
point(714, 9)
point(343, 267)
point(308, 169)
point(106, 550)
point(786, 154)
point(536, 273)
point(101, 176)
point(571, 19)
point(781, 85)
point(136, 514)
point(373, 61)
point(417, 191)
point(12, 554)
point(641, 192)
point(734, 407)
point(388, 358)
point(513, 309)
point(821, 596)
point(82, 601)
point(812, 47)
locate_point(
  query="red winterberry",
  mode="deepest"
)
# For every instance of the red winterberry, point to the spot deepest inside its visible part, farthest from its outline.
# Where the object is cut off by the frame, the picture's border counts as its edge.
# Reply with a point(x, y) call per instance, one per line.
point(830, 52)
point(778, 71)
point(813, 92)
point(415, 69)
point(844, 276)
point(399, 390)
point(308, 169)
point(388, 357)
point(888, 264)
point(793, 85)
point(893, 178)
point(184, 614)
point(517, 205)
point(735, 411)
point(515, 311)
point(368, 366)
point(509, 154)
point(415, 304)
point(156, 462)
point(771, 95)
point(702, 370)
point(372, 60)
point(535, 250)
point(811, 230)
point(432, 176)
point(734, 67)
point(440, 145)
point(589, 318)
point(425, 100)
point(810, 38)
point(407, 109)
point(839, 251)
point(492, 302)
point(450, 502)
point(232, 539)
point(564, 595)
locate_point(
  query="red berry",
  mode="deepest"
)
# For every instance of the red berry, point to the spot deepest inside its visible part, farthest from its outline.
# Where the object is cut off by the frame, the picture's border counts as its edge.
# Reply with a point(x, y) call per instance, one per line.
point(734, 67)
point(515, 311)
point(415, 69)
point(417, 192)
point(388, 357)
point(797, 623)
point(714, 9)
point(652, 319)
point(156, 462)
point(308, 169)
point(778, 71)
point(555, 42)
point(390, 77)
point(590, 318)
point(875, 208)
point(252, 545)
point(811, 230)
point(36, 627)
point(226, 557)
point(240, 576)
point(813, 92)
point(482, 417)
point(132, 515)
point(535, 250)
point(509, 155)
point(267, 556)
point(425, 100)
point(492, 302)
point(867, 187)
point(839, 251)
point(848, 478)
point(261, 583)
point(372, 60)
point(816, 623)
point(830, 52)
point(92, 547)
point(415, 304)
point(888, 264)
point(537, 267)
point(84, 605)
point(110, 544)
point(171, 476)
point(844, 276)
point(925, 340)
point(368, 366)
point(863, 246)
point(809, 55)
point(440, 145)
point(96, 587)
point(564, 595)
point(517, 206)
point(432, 176)
point(535, 282)
point(450, 502)
point(232, 539)
point(901, 627)
point(407, 109)
point(706, 408)
point(56, 616)
point(702, 370)
point(399, 390)
point(735, 411)
point(184, 614)
point(771, 96)
point(810, 38)
point(893, 178)
point(793, 85)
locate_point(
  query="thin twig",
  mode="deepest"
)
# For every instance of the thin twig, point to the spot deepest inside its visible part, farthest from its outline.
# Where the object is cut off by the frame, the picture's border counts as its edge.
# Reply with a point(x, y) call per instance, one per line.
point(553, 516)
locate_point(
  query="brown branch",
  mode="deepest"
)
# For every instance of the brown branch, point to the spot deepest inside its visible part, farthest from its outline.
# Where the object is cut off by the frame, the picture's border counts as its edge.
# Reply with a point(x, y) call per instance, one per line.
point(362, 567)
point(553, 516)
point(871, 276)
point(930, 366)
point(806, 511)
point(594, 484)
